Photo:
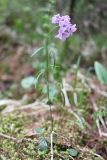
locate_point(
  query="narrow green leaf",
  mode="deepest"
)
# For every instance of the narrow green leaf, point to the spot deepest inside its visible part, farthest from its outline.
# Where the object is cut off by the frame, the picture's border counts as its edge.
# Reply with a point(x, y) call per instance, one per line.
point(37, 78)
point(53, 52)
point(101, 72)
point(36, 51)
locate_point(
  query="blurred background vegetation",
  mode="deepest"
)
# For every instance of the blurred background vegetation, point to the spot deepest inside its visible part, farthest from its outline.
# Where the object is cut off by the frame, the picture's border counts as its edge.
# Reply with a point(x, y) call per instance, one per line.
point(23, 24)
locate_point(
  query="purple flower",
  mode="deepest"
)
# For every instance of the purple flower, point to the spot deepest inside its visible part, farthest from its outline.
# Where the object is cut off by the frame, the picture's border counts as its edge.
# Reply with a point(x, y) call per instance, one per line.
point(65, 27)
point(73, 28)
point(64, 23)
point(56, 18)
point(62, 34)
point(65, 18)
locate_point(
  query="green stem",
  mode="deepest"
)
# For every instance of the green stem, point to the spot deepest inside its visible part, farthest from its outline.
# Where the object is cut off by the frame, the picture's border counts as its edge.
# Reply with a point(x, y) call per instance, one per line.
point(47, 70)
point(47, 81)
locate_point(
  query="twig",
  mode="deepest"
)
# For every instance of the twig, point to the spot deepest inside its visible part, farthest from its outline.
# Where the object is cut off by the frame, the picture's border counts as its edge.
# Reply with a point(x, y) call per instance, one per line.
point(9, 102)
point(8, 137)
point(60, 156)
point(71, 157)
point(13, 104)
point(34, 105)
point(17, 140)
point(51, 138)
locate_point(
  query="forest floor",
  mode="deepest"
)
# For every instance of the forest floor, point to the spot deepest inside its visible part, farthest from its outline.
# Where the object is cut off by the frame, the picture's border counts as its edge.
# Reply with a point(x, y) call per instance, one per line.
point(80, 123)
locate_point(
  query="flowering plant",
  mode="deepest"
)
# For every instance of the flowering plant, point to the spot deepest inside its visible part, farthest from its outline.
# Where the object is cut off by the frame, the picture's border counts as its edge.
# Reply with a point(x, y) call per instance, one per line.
point(65, 27)
point(65, 30)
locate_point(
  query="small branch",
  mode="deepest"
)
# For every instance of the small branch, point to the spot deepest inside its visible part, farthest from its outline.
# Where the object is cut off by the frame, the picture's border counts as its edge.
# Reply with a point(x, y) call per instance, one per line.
point(37, 106)
point(59, 155)
point(51, 138)
point(8, 137)
point(71, 157)
point(17, 140)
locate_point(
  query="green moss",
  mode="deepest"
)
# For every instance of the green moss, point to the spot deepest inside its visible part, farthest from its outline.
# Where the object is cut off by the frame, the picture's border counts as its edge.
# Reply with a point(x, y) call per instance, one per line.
point(69, 135)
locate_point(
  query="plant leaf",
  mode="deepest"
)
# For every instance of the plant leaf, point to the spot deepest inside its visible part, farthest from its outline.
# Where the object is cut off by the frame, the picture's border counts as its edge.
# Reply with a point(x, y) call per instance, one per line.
point(52, 91)
point(101, 72)
point(43, 146)
point(27, 82)
point(37, 78)
point(53, 52)
point(36, 51)
point(39, 130)
point(72, 152)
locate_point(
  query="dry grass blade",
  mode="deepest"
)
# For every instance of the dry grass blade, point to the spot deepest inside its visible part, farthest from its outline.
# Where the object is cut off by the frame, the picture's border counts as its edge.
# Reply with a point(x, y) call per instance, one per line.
point(98, 120)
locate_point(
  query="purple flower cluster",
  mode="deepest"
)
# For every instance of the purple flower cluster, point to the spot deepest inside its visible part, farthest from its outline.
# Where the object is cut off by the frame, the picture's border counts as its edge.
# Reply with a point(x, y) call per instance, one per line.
point(65, 27)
